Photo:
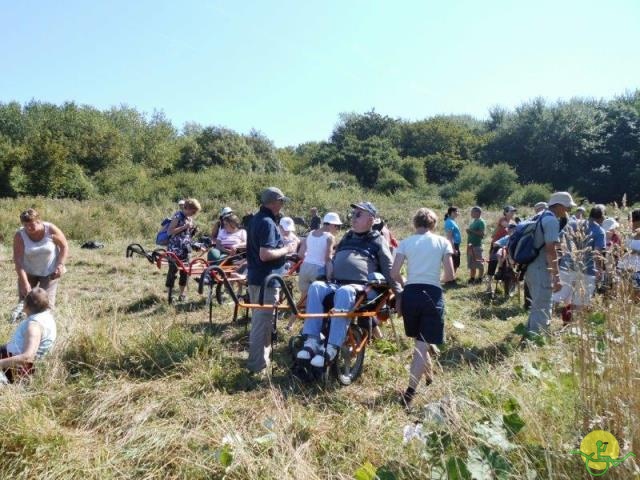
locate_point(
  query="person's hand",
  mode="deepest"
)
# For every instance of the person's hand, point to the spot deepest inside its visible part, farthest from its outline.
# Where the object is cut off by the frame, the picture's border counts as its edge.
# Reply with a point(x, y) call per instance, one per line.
point(399, 304)
point(556, 285)
point(58, 272)
point(231, 251)
point(24, 289)
point(291, 248)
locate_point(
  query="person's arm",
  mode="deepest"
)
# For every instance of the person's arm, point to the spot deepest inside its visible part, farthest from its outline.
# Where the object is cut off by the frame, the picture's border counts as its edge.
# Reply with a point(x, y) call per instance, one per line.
point(449, 272)
point(550, 250)
point(29, 349)
point(303, 248)
point(63, 250)
point(18, 258)
point(174, 229)
point(328, 258)
point(397, 267)
point(269, 254)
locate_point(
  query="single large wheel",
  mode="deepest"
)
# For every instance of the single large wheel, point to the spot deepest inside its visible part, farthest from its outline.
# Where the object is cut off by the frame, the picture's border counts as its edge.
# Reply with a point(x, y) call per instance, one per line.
point(210, 301)
point(220, 293)
point(349, 363)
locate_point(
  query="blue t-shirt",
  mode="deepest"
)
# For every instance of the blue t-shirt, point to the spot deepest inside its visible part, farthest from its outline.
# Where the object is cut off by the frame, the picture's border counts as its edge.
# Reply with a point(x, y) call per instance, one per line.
point(263, 232)
point(450, 225)
point(547, 232)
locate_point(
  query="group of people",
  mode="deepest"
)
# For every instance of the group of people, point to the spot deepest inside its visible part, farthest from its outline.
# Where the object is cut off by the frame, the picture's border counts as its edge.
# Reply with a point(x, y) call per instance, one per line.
point(570, 256)
point(569, 261)
point(341, 269)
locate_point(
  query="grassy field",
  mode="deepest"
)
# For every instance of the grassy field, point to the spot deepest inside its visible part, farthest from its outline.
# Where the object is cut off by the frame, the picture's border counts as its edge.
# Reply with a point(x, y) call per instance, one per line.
point(136, 388)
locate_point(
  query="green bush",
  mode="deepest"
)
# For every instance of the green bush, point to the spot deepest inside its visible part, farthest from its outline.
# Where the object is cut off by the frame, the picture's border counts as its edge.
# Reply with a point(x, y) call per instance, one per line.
point(530, 194)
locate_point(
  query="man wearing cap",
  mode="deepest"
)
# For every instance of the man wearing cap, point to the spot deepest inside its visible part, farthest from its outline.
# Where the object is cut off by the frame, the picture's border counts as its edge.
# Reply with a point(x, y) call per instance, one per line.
point(540, 207)
point(266, 254)
point(475, 253)
point(361, 252)
point(542, 277)
point(580, 212)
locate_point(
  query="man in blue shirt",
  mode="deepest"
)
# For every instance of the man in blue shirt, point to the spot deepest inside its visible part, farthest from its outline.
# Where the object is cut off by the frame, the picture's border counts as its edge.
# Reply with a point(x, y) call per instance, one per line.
point(265, 255)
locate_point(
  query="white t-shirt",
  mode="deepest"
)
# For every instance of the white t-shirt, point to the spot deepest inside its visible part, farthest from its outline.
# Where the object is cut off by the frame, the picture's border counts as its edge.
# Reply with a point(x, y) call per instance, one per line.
point(48, 325)
point(424, 254)
point(234, 239)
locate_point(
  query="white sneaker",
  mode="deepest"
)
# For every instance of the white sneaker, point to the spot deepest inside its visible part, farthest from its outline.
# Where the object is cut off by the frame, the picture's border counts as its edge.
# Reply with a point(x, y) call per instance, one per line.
point(330, 353)
point(310, 345)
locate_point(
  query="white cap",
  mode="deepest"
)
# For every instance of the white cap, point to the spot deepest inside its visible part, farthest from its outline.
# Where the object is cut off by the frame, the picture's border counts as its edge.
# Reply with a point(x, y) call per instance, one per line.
point(181, 202)
point(225, 211)
point(562, 198)
point(541, 206)
point(609, 224)
point(287, 224)
point(333, 218)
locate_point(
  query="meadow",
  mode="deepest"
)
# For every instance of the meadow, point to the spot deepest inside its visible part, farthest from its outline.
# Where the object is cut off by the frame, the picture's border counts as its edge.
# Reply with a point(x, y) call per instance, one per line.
point(137, 388)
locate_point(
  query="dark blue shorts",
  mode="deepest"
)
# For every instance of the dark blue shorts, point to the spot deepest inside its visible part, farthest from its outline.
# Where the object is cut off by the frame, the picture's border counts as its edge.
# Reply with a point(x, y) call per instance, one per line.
point(423, 312)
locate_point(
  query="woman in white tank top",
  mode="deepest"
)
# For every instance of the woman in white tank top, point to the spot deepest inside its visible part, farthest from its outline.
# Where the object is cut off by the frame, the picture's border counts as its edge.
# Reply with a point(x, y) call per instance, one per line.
point(40, 251)
point(317, 251)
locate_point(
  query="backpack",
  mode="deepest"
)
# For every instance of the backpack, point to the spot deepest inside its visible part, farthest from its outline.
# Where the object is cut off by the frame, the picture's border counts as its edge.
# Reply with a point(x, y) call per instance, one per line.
point(521, 245)
point(162, 237)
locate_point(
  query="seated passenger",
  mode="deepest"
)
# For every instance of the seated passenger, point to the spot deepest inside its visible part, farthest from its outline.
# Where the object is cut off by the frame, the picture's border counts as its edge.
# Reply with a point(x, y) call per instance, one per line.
point(32, 339)
point(360, 252)
point(288, 232)
point(231, 237)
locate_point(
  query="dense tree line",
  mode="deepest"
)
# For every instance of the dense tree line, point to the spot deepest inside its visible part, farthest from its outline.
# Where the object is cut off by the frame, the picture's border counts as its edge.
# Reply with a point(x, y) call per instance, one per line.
point(589, 146)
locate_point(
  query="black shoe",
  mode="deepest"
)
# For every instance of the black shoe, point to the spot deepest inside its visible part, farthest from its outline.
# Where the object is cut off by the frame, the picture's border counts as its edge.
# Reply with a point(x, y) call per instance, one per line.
point(407, 397)
point(471, 281)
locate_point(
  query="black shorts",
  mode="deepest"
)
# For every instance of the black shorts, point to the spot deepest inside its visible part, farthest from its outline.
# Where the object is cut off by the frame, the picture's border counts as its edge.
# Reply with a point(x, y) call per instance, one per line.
point(493, 261)
point(423, 312)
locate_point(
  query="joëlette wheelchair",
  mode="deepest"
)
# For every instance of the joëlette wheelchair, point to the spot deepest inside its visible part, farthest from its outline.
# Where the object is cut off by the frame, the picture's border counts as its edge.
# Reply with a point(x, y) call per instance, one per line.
point(233, 268)
point(195, 268)
point(373, 305)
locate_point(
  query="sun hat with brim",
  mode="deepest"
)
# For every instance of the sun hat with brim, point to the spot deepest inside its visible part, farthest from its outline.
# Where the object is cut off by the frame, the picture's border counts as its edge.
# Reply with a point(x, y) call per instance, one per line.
point(332, 218)
point(562, 198)
point(581, 209)
point(272, 194)
point(287, 224)
point(609, 224)
point(543, 205)
point(367, 207)
point(509, 208)
point(226, 211)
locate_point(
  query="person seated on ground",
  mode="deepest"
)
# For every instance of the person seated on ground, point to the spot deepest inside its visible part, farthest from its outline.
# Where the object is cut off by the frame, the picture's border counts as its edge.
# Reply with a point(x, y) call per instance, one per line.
point(32, 339)
point(361, 251)
point(288, 231)
point(181, 230)
point(630, 263)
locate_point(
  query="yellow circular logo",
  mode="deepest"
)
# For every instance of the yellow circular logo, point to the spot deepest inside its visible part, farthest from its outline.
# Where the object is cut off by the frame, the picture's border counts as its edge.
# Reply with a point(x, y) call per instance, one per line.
point(599, 444)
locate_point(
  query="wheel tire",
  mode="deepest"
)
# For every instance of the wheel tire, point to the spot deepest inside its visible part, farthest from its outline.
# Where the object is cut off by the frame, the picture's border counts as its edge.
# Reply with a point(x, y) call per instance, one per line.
point(210, 302)
point(348, 365)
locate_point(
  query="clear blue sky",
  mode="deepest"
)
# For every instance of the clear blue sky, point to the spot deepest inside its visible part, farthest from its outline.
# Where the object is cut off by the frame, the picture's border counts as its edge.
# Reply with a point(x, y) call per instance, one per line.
point(288, 68)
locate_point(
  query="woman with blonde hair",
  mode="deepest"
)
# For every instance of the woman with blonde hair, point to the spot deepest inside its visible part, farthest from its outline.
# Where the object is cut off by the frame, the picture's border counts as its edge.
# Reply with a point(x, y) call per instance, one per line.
point(181, 229)
point(421, 303)
point(40, 251)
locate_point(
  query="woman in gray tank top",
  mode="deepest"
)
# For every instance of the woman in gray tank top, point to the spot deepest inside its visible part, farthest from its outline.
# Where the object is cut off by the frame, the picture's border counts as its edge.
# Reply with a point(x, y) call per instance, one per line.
point(40, 251)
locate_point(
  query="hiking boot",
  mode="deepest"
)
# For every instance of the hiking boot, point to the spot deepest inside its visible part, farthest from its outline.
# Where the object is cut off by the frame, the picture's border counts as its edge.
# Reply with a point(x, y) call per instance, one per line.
point(328, 354)
point(407, 397)
point(309, 350)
